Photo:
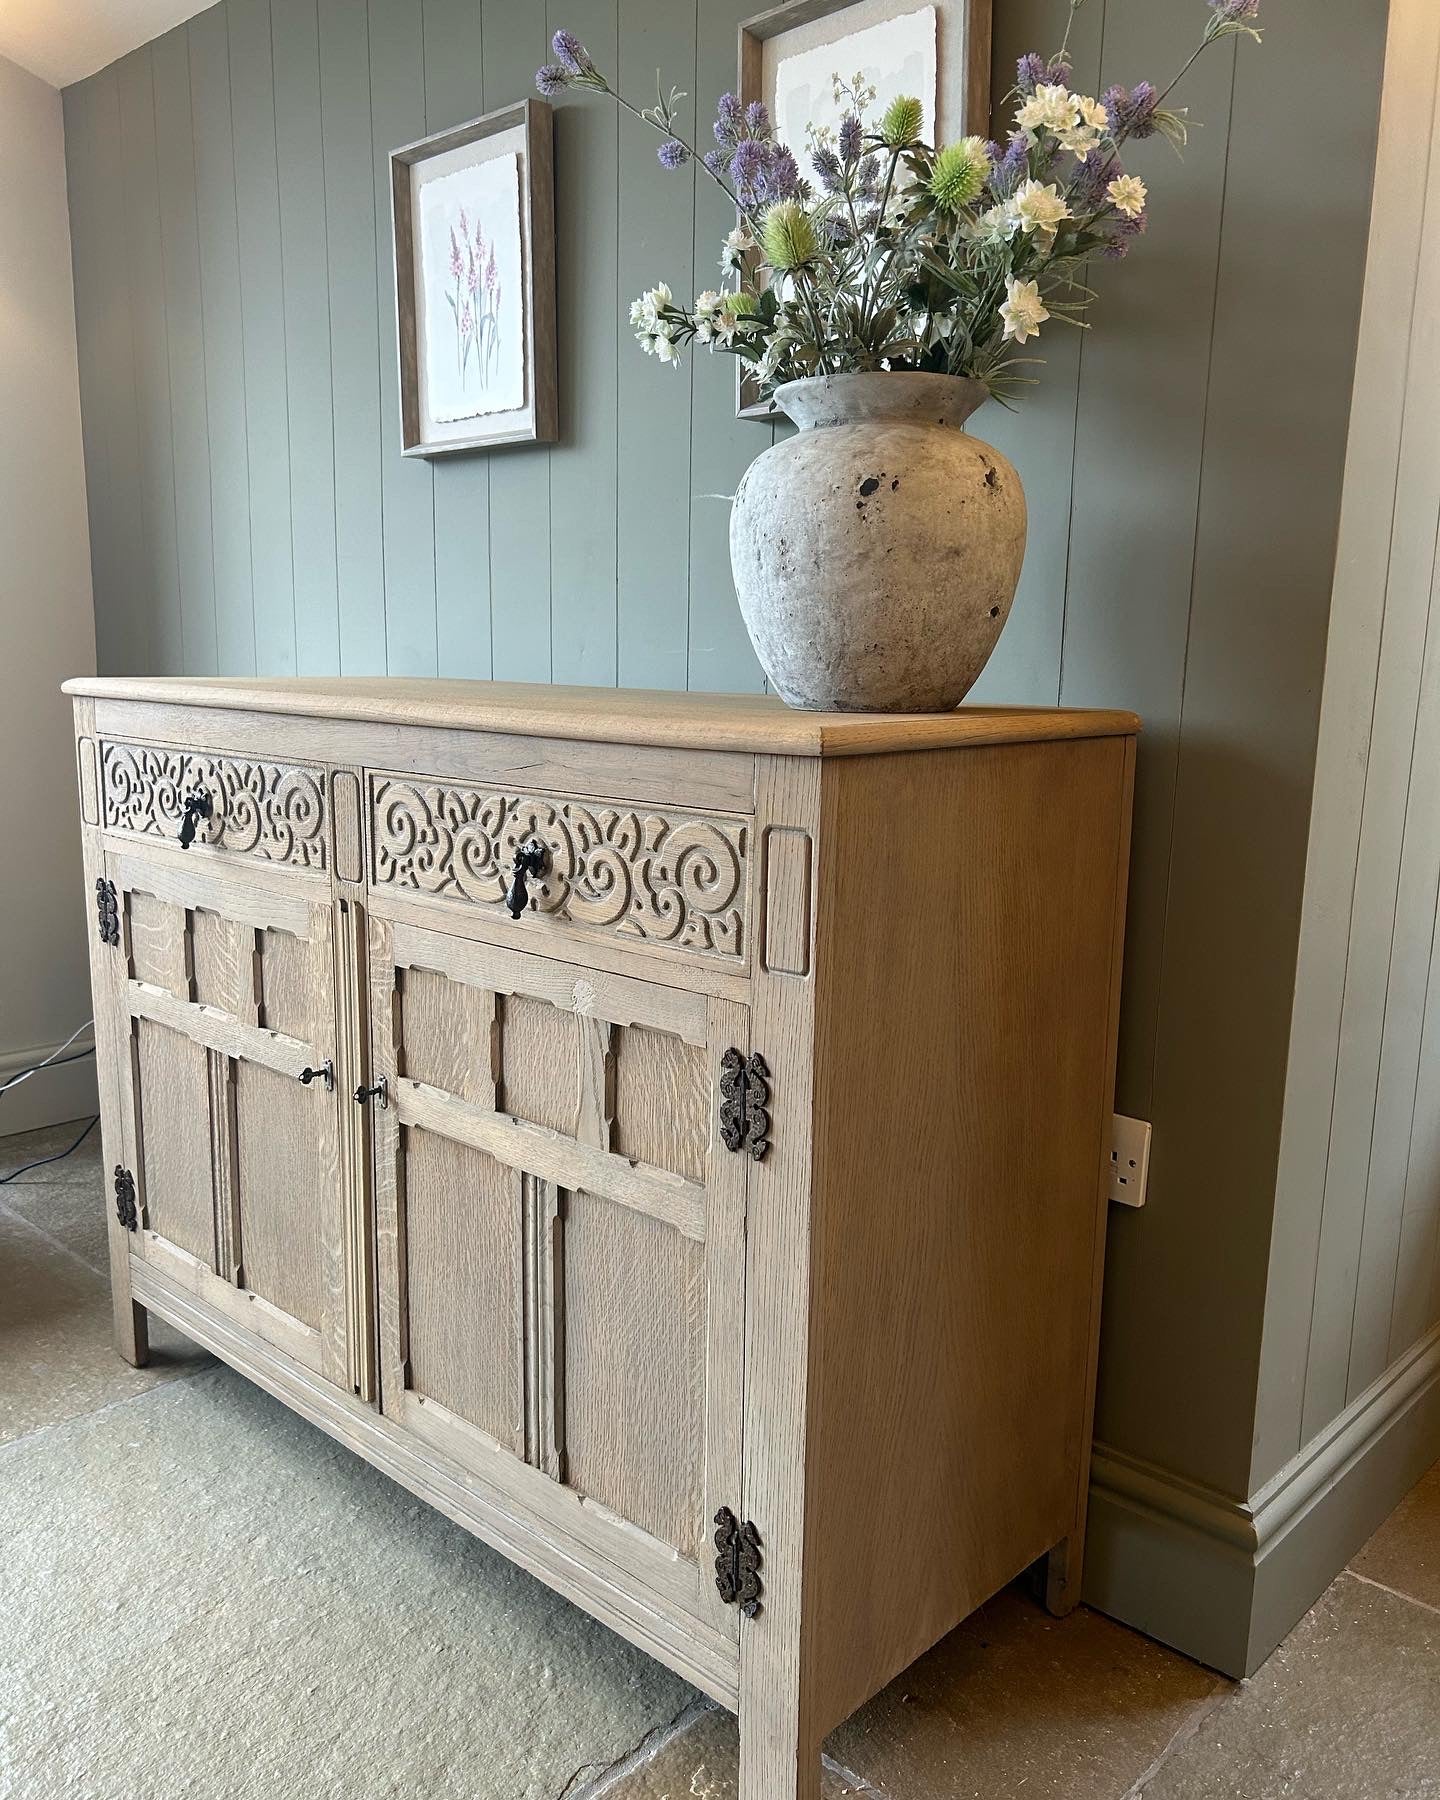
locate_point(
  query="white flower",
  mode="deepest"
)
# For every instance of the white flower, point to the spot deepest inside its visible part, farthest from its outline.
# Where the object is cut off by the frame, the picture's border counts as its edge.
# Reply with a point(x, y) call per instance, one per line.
point(998, 223)
point(1039, 207)
point(1081, 138)
point(1023, 311)
point(708, 302)
point(645, 312)
point(1049, 108)
point(1127, 194)
point(737, 246)
point(667, 350)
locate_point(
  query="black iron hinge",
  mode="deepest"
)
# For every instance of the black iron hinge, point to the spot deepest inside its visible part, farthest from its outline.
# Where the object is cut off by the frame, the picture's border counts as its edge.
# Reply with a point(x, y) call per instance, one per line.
point(126, 1210)
point(737, 1563)
point(107, 911)
point(745, 1103)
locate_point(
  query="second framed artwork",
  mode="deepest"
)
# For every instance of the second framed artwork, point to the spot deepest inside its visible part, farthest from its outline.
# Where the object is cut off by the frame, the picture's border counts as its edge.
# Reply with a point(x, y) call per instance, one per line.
point(474, 218)
point(935, 50)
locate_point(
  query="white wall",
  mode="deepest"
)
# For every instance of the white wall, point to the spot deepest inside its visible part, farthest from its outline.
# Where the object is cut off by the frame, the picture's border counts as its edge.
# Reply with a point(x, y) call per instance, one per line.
point(47, 628)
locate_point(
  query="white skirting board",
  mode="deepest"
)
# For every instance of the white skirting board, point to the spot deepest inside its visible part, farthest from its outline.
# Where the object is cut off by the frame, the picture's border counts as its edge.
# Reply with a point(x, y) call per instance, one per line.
point(66, 1091)
point(1225, 1580)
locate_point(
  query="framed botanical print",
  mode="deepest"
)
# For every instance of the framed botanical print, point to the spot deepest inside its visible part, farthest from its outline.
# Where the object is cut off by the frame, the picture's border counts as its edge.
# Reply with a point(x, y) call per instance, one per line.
point(474, 219)
point(936, 50)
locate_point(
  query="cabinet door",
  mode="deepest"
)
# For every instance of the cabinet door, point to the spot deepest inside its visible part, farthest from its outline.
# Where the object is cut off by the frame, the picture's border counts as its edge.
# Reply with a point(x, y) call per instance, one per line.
point(561, 1238)
point(228, 999)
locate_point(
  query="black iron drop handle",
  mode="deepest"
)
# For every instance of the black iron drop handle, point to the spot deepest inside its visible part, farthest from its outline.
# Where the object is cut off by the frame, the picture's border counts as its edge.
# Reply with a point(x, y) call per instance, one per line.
point(325, 1073)
point(380, 1091)
point(198, 806)
point(531, 858)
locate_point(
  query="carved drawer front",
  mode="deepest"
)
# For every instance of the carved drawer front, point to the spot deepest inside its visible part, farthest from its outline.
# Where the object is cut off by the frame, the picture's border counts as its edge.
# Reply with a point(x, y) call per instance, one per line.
point(561, 1237)
point(273, 811)
point(672, 878)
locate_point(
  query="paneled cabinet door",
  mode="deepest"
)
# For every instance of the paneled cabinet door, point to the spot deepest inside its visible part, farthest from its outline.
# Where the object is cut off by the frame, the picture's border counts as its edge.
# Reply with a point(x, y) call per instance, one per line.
point(561, 1246)
point(226, 995)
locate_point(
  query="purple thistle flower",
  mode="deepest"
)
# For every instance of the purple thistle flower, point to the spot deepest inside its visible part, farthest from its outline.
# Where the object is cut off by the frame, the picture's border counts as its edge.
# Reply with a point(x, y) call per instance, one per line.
point(1010, 168)
point(1092, 178)
point(571, 52)
point(784, 175)
point(1029, 72)
point(757, 118)
point(552, 80)
point(1059, 72)
point(867, 178)
point(850, 138)
point(729, 120)
point(827, 167)
point(747, 168)
point(673, 154)
point(717, 161)
point(1116, 250)
point(1133, 113)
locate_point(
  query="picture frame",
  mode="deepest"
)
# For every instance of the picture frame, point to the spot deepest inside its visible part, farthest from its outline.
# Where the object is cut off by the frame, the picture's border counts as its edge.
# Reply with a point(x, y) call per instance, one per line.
point(473, 214)
point(800, 29)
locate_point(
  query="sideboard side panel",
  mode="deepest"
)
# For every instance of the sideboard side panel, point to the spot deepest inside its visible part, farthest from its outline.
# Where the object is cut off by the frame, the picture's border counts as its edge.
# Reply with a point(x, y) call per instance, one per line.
point(964, 1059)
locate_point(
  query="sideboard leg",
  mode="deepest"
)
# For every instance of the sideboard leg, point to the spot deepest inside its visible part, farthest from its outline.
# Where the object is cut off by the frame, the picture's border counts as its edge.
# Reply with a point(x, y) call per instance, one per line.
point(777, 1761)
point(132, 1331)
point(1064, 1567)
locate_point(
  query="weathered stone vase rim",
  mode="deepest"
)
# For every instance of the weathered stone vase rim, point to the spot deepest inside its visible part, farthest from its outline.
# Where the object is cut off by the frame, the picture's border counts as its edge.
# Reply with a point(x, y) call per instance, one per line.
point(817, 401)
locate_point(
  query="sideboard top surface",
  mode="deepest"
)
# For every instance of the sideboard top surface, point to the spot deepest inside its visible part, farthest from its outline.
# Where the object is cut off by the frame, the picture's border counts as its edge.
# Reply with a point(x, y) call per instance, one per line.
point(755, 723)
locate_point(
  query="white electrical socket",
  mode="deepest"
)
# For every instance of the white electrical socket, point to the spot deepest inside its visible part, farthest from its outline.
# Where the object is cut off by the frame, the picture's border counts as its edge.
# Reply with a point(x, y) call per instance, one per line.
point(1129, 1160)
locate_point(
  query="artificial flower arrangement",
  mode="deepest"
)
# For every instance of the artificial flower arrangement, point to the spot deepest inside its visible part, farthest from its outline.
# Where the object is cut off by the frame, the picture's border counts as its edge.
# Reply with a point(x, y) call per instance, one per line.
point(901, 255)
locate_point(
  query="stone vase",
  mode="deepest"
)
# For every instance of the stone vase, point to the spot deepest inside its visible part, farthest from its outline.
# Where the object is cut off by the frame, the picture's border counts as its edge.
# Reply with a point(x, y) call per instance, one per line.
point(877, 551)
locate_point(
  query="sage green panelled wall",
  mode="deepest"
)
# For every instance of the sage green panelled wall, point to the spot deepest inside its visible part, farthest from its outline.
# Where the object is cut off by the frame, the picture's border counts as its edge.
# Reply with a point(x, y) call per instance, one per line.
point(249, 509)
point(1356, 1265)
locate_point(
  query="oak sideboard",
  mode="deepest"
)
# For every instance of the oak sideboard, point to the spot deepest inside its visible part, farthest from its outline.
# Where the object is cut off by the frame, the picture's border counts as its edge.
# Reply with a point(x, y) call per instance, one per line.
point(666, 1133)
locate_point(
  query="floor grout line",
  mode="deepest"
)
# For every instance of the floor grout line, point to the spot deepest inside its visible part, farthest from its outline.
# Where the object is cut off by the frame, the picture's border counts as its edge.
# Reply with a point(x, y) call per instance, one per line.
point(212, 1367)
point(49, 1236)
point(1218, 1695)
point(1396, 1593)
point(644, 1752)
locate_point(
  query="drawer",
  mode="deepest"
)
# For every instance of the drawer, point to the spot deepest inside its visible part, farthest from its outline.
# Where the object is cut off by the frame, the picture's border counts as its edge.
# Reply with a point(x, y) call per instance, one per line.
point(654, 876)
point(272, 811)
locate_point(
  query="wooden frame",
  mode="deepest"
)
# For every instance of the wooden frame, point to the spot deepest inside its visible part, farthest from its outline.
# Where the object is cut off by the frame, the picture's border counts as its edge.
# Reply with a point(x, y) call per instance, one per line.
point(537, 420)
point(964, 90)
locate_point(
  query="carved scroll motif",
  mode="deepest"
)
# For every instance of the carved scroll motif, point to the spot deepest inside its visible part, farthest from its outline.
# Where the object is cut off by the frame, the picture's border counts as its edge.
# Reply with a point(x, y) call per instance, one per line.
point(275, 811)
point(655, 876)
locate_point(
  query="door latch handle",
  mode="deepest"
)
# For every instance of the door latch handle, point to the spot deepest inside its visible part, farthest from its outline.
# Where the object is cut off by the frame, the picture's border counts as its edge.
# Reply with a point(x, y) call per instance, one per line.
point(325, 1073)
point(380, 1091)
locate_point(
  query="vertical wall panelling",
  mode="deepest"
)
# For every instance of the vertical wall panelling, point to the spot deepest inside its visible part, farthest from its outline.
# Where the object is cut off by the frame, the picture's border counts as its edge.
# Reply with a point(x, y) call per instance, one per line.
point(397, 108)
point(1403, 781)
point(721, 446)
point(185, 344)
point(657, 226)
point(300, 157)
point(84, 141)
point(352, 260)
point(454, 92)
point(1039, 435)
point(159, 569)
point(1356, 625)
point(262, 307)
point(224, 343)
point(1416, 1304)
point(1265, 559)
point(515, 44)
point(583, 464)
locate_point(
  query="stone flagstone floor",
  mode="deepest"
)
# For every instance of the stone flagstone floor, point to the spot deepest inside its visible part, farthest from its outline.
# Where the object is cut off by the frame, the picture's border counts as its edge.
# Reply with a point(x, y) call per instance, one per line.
point(202, 1596)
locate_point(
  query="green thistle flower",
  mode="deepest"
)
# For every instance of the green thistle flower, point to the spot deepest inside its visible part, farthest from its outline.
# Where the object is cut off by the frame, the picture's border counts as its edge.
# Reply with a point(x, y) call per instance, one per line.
point(960, 173)
point(900, 128)
point(788, 237)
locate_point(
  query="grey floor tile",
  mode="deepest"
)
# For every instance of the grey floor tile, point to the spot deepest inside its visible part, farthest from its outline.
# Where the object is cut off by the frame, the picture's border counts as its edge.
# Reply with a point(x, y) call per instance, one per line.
point(56, 1357)
point(1014, 1705)
point(1404, 1553)
point(1348, 1708)
point(206, 1597)
point(82, 1164)
point(75, 1213)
